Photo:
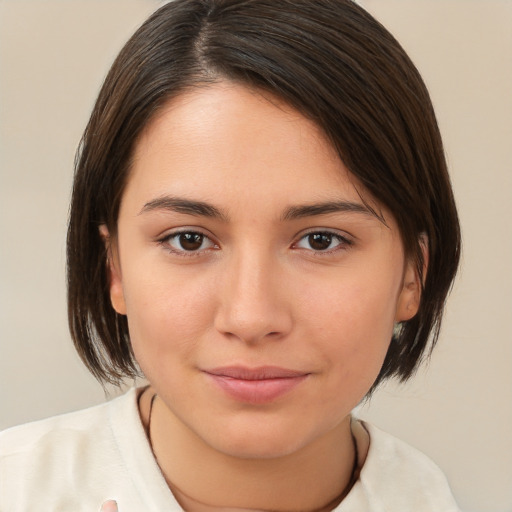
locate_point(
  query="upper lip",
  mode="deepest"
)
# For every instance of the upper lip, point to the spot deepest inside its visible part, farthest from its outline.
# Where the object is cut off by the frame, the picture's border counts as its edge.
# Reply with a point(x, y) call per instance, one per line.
point(258, 373)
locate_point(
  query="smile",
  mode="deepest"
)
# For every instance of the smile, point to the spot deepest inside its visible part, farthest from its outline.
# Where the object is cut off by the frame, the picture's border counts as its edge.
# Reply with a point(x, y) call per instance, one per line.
point(255, 385)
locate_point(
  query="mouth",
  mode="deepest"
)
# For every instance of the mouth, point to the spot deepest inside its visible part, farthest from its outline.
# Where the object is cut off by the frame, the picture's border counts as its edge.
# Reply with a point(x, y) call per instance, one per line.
point(255, 385)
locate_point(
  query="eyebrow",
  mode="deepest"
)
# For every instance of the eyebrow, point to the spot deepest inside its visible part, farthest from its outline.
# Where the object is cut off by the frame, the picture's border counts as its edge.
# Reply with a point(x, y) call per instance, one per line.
point(203, 209)
point(311, 210)
point(186, 206)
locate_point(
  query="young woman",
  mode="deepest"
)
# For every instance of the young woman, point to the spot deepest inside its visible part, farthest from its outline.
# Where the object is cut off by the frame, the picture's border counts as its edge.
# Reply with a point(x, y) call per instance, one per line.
point(262, 225)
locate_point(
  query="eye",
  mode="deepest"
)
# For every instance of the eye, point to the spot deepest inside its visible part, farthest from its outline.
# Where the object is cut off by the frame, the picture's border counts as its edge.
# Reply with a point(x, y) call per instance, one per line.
point(187, 241)
point(323, 241)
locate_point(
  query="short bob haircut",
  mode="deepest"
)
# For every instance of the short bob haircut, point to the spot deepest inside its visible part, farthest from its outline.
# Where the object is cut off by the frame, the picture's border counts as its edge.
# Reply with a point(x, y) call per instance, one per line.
point(332, 62)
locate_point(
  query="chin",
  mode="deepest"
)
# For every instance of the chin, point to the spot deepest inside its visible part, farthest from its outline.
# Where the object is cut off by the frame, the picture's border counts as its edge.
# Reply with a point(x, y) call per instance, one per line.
point(261, 448)
point(258, 440)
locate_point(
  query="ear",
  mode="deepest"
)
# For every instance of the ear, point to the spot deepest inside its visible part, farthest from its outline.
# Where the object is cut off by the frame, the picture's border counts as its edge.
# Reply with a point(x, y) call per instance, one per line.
point(409, 299)
point(113, 271)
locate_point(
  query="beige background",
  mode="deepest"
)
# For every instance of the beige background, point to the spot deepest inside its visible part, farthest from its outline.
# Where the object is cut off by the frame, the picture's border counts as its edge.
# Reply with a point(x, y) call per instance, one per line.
point(53, 57)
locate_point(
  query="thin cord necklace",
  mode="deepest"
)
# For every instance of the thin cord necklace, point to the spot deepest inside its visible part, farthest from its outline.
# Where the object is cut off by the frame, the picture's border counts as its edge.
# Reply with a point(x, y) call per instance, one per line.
point(325, 508)
point(150, 414)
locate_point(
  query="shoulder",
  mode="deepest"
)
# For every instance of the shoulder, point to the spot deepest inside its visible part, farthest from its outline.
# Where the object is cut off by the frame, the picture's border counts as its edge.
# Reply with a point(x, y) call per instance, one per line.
point(398, 477)
point(54, 457)
point(64, 429)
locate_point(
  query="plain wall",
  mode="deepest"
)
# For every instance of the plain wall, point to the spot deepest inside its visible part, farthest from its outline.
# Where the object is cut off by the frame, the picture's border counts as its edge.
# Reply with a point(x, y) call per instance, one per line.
point(53, 57)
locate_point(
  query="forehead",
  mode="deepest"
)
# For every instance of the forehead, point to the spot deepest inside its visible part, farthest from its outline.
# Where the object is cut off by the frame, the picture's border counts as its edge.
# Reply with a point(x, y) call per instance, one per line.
point(229, 142)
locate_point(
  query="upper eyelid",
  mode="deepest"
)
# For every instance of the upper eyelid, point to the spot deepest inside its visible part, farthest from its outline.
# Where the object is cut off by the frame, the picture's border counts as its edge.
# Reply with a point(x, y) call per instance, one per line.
point(173, 232)
point(331, 231)
point(168, 233)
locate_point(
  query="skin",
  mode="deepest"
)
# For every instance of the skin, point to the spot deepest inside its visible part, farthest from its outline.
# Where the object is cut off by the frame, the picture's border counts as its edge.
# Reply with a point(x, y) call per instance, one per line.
point(255, 290)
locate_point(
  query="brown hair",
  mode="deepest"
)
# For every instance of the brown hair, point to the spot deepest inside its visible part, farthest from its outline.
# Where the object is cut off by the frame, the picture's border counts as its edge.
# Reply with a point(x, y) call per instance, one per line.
point(331, 61)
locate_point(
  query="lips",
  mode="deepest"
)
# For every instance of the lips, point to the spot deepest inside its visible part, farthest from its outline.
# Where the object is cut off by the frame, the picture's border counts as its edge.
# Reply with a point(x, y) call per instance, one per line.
point(255, 385)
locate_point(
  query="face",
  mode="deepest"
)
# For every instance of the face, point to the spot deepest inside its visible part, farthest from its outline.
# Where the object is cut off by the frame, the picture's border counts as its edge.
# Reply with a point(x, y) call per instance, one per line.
point(260, 292)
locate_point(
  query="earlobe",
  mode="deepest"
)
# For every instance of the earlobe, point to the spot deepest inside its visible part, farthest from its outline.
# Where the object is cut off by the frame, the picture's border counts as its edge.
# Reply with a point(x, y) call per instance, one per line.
point(409, 298)
point(410, 295)
point(113, 272)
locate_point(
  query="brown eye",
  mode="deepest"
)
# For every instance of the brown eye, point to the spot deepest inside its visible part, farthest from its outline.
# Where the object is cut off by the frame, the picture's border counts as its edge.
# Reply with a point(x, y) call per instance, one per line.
point(320, 241)
point(326, 241)
point(188, 241)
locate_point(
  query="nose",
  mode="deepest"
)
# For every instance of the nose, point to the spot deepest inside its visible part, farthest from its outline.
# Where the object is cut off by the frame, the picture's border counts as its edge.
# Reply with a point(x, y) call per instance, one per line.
point(252, 303)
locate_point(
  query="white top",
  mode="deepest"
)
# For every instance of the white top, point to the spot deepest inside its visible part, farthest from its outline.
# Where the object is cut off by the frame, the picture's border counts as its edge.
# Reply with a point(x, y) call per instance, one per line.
point(75, 462)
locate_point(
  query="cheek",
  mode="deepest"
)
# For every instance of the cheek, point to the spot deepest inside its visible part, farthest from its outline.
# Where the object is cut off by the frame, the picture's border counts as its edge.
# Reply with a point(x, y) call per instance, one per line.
point(167, 314)
point(353, 308)
point(354, 324)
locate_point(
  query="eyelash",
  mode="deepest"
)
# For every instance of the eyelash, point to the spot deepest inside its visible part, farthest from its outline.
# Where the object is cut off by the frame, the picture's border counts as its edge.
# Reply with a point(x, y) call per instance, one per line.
point(344, 243)
point(166, 243)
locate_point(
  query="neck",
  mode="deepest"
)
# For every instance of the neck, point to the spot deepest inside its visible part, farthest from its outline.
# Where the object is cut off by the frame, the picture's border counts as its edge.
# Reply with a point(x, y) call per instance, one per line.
point(313, 478)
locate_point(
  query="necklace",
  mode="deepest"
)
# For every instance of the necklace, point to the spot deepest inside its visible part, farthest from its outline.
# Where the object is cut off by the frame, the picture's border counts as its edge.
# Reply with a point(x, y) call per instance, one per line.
point(150, 414)
point(325, 508)
point(353, 478)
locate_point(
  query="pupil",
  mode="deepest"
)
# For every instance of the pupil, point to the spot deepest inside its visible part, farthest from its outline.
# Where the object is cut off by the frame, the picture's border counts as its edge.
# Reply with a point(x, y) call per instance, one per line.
point(320, 241)
point(191, 241)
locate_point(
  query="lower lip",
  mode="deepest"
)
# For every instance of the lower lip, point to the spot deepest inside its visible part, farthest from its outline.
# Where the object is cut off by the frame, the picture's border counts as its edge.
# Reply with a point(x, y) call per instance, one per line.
point(256, 391)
